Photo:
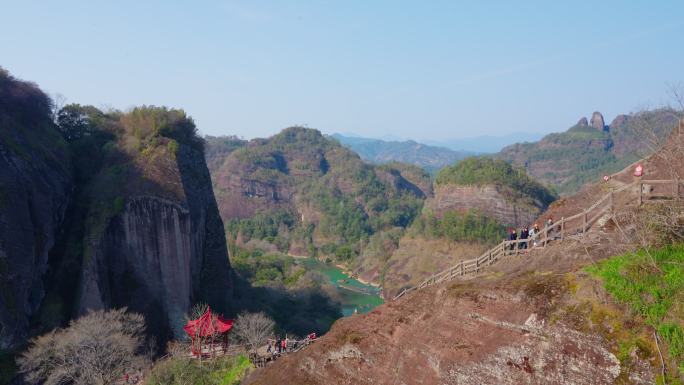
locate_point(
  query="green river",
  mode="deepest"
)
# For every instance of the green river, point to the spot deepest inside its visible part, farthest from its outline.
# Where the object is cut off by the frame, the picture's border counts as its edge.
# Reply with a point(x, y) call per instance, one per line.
point(354, 294)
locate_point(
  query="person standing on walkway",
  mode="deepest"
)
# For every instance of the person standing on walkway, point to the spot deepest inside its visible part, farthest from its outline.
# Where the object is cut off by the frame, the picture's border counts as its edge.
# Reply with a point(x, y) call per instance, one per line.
point(524, 234)
point(535, 234)
point(549, 228)
point(512, 236)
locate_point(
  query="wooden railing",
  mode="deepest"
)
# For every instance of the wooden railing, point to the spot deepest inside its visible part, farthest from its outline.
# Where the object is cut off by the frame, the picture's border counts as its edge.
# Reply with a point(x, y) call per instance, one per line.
point(580, 223)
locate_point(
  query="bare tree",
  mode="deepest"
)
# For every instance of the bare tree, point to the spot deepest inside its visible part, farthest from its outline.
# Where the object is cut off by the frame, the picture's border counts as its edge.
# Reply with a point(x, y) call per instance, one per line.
point(197, 310)
point(676, 92)
point(253, 328)
point(58, 102)
point(98, 348)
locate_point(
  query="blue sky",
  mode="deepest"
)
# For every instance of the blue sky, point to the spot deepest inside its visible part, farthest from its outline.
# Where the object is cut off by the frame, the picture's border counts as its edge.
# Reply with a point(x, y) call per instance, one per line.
point(412, 69)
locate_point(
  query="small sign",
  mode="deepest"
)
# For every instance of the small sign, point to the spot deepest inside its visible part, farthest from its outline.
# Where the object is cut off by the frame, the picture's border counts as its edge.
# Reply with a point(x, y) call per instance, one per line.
point(639, 170)
point(606, 178)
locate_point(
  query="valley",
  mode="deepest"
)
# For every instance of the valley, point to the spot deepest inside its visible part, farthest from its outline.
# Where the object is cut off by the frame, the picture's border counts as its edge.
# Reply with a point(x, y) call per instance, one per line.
point(105, 209)
point(354, 296)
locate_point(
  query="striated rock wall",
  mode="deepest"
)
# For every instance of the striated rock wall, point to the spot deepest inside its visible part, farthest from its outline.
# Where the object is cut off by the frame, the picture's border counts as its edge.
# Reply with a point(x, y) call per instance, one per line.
point(493, 201)
point(159, 256)
point(122, 216)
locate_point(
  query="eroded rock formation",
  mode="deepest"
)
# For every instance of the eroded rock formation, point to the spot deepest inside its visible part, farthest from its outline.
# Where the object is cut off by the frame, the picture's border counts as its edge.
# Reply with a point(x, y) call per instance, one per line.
point(100, 223)
point(597, 121)
point(518, 333)
point(491, 200)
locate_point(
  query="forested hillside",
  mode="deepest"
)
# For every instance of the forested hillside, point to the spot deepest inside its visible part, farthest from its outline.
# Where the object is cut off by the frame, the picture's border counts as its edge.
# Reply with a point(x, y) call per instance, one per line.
point(301, 193)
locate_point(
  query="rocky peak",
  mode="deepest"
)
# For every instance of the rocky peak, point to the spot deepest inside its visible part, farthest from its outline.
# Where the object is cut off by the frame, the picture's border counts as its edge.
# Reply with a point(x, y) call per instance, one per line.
point(619, 121)
point(597, 121)
point(583, 122)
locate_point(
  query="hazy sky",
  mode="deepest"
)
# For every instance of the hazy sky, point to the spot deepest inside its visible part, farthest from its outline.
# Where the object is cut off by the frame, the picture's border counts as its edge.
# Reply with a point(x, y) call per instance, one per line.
point(415, 69)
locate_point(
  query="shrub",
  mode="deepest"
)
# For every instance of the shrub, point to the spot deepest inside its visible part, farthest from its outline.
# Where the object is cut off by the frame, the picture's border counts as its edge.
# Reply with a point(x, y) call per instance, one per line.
point(651, 284)
point(147, 122)
point(97, 348)
point(180, 370)
point(253, 329)
point(172, 146)
point(76, 122)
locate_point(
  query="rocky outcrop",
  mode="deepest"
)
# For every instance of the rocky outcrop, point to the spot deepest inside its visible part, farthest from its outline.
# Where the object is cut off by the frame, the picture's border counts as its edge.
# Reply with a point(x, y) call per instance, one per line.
point(583, 122)
point(123, 216)
point(417, 256)
point(597, 121)
point(161, 255)
point(491, 200)
point(529, 331)
point(35, 187)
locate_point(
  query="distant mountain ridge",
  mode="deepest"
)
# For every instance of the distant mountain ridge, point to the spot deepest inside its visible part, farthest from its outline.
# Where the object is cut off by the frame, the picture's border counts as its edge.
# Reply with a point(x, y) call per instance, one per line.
point(567, 160)
point(486, 143)
point(430, 157)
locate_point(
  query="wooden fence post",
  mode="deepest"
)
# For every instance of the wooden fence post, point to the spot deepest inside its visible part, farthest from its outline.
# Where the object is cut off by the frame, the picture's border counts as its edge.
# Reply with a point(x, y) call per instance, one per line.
point(611, 201)
point(562, 228)
point(584, 222)
point(641, 193)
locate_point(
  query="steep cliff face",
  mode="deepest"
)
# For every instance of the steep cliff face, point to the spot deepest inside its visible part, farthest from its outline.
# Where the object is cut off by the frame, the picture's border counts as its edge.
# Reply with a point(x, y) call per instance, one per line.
point(35, 186)
point(163, 248)
point(492, 201)
point(103, 210)
point(156, 259)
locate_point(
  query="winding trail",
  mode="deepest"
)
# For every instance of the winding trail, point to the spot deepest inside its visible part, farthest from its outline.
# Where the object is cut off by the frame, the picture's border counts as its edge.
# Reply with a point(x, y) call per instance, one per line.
point(637, 192)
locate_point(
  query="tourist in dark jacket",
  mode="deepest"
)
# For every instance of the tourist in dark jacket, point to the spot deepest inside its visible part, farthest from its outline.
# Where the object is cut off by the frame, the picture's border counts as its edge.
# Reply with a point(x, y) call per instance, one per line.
point(524, 234)
point(512, 236)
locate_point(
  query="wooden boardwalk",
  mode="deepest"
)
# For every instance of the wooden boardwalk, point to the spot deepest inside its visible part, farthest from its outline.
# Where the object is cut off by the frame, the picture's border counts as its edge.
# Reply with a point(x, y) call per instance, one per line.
point(636, 193)
point(260, 360)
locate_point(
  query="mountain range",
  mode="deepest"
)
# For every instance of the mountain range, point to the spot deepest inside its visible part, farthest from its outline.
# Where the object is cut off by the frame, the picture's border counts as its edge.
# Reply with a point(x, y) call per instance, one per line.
point(429, 157)
point(589, 149)
point(484, 144)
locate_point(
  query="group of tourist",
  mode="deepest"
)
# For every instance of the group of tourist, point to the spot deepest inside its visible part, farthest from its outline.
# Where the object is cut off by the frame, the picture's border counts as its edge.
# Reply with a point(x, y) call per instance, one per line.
point(280, 345)
point(528, 237)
